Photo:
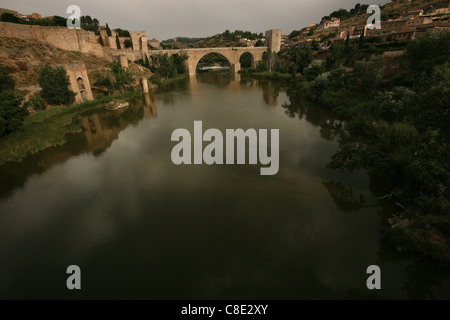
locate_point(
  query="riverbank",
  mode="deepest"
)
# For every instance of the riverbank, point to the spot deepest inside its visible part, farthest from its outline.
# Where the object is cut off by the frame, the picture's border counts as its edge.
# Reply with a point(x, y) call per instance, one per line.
point(49, 128)
point(169, 81)
point(266, 75)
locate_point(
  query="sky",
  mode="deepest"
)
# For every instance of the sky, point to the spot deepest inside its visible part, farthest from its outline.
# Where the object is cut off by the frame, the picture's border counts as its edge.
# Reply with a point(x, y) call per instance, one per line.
point(164, 19)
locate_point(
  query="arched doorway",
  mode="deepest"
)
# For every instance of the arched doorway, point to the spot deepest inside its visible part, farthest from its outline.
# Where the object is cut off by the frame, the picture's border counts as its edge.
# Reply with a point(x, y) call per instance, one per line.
point(82, 88)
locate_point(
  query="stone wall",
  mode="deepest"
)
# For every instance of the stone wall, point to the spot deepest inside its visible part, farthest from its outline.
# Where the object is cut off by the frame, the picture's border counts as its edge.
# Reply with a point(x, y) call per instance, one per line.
point(60, 37)
point(78, 40)
point(79, 82)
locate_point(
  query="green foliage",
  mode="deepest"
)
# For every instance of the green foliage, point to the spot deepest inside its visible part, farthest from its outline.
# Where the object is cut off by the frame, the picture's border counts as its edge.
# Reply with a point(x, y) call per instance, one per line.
point(54, 83)
point(108, 30)
point(392, 105)
point(367, 74)
point(11, 113)
point(118, 42)
point(271, 60)
point(9, 17)
point(301, 57)
point(336, 58)
point(246, 61)
point(344, 14)
point(313, 71)
point(6, 81)
point(259, 43)
point(163, 66)
point(55, 21)
point(47, 128)
point(89, 24)
point(294, 34)
point(124, 78)
point(105, 82)
point(428, 50)
point(179, 62)
point(100, 40)
point(127, 43)
point(37, 102)
point(122, 33)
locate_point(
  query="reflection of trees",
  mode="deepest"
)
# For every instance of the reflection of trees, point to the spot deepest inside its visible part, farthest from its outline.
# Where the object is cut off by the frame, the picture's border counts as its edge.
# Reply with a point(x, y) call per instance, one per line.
point(217, 78)
point(343, 197)
point(330, 127)
point(422, 276)
point(271, 91)
point(100, 129)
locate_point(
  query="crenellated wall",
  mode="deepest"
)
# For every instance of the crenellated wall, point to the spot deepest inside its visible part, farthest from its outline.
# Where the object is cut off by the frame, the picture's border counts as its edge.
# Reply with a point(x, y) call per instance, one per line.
point(78, 40)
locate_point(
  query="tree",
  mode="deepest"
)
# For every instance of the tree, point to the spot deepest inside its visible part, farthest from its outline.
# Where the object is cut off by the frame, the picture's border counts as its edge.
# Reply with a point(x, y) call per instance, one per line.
point(259, 43)
point(59, 21)
point(179, 62)
point(36, 102)
point(11, 114)
point(146, 62)
point(122, 33)
point(106, 82)
point(6, 81)
point(127, 43)
point(163, 66)
point(270, 60)
point(361, 38)
point(117, 41)
point(54, 83)
point(100, 40)
point(366, 75)
point(428, 50)
point(9, 17)
point(108, 31)
point(124, 77)
point(302, 57)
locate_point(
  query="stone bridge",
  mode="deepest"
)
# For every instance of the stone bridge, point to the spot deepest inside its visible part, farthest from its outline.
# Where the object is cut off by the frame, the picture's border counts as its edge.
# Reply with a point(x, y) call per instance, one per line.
point(233, 55)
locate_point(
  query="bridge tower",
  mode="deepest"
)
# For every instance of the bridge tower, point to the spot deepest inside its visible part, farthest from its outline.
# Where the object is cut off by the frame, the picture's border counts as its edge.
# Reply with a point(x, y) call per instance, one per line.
point(273, 40)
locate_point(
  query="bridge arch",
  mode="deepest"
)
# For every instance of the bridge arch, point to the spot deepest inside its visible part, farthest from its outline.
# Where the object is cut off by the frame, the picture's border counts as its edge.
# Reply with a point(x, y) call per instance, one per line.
point(247, 60)
point(213, 53)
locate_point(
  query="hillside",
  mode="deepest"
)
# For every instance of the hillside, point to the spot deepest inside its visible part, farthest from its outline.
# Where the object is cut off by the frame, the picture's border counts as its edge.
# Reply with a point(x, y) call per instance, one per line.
point(24, 58)
point(237, 38)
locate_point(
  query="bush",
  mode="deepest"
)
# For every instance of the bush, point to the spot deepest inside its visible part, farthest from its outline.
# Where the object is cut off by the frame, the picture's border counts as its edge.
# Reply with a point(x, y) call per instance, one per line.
point(37, 102)
point(11, 114)
point(55, 85)
point(6, 81)
point(127, 43)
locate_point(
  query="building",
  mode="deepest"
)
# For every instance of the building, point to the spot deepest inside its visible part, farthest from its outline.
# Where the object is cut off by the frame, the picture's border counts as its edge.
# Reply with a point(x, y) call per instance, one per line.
point(154, 43)
point(440, 11)
point(328, 24)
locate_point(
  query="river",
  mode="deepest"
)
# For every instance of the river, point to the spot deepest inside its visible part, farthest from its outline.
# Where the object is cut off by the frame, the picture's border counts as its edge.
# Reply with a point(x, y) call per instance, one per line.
point(112, 202)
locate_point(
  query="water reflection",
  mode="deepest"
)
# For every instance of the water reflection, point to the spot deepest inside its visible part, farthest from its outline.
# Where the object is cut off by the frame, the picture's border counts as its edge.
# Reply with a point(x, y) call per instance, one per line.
point(111, 200)
point(100, 128)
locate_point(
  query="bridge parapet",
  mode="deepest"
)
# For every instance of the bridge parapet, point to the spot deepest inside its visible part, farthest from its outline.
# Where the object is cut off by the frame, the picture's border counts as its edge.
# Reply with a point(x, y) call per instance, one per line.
point(232, 54)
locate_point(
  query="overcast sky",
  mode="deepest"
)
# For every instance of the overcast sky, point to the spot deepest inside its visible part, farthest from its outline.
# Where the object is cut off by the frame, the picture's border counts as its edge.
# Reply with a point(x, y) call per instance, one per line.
point(165, 19)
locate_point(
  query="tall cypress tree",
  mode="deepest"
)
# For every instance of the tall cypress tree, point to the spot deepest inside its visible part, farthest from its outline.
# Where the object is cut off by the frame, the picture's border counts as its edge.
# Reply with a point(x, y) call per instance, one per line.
point(361, 38)
point(117, 41)
point(108, 31)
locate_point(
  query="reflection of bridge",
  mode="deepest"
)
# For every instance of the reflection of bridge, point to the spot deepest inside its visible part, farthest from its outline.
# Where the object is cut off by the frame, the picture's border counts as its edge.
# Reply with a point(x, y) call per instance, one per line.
point(233, 55)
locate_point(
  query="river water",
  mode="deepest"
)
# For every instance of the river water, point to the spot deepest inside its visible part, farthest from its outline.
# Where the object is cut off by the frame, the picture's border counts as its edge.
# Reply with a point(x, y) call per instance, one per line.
point(112, 202)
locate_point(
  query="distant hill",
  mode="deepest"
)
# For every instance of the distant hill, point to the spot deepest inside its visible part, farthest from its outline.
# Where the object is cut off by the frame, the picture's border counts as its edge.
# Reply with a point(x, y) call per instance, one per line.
point(237, 38)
